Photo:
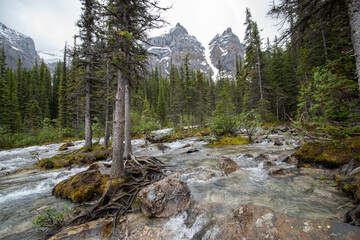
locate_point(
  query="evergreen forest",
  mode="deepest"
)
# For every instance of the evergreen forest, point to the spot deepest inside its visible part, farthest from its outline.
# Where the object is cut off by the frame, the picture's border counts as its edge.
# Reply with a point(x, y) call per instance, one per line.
point(308, 74)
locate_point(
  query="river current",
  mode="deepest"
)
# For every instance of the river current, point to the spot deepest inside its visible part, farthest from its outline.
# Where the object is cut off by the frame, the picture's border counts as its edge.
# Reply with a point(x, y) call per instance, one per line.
point(22, 194)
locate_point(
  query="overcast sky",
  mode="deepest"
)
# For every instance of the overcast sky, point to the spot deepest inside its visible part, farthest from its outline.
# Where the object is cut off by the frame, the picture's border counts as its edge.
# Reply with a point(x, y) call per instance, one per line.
point(52, 22)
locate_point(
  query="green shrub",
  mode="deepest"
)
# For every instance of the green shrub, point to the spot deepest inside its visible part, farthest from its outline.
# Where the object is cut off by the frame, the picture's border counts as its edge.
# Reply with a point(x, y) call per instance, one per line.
point(52, 218)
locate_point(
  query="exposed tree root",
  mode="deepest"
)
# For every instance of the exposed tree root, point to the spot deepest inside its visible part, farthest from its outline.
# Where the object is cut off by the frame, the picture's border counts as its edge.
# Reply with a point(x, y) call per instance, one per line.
point(121, 193)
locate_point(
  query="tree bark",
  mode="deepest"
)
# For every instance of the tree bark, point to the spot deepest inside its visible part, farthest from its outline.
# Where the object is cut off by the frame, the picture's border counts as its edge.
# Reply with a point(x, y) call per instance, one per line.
point(259, 68)
point(117, 166)
point(88, 130)
point(354, 18)
point(128, 149)
point(107, 114)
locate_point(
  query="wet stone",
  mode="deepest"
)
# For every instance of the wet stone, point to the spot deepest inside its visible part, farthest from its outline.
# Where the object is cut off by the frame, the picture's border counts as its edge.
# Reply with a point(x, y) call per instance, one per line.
point(283, 157)
point(277, 142)
point(261, 157)
point(227, 166)
point(256, 222)
point(165, 197)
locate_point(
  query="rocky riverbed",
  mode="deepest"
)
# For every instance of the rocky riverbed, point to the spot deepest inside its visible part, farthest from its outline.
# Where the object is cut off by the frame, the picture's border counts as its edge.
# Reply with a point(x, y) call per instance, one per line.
point(266, 197)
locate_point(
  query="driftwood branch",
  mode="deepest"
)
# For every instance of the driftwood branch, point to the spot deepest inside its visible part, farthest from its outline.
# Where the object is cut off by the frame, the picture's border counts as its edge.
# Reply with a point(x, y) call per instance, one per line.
point(308, 133)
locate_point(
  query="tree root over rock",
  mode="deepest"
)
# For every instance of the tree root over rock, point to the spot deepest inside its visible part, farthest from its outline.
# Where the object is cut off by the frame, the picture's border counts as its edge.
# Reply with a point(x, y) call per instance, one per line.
point(121, 193)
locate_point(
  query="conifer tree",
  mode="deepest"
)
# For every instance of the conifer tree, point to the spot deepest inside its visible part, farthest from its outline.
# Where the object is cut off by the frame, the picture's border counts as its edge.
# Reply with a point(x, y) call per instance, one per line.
point(23, 88)
point(161, 105)
point(2, 63)
point(55, 91)
point(175, 95)
point(224, 114)
point(127, 23)
point(3, 103)
point(12, 107)
point(64, 113)
point(87, 31)
point(253, 60)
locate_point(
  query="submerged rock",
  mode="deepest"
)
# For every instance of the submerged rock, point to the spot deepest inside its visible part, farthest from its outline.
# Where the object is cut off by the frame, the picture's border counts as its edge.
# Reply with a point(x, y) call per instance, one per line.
point(227, 166)
point(280, 172)
point(283, 157)
point(165, 197)
point(318, 173)
point(191, 150)
point(248, 155)
point(277, 142)
point(268, 163)
point(162, 147)
point(261, 157)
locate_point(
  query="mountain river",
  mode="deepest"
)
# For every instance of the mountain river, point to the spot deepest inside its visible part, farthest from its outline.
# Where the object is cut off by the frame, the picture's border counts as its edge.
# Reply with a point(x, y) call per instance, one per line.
point(23, 193)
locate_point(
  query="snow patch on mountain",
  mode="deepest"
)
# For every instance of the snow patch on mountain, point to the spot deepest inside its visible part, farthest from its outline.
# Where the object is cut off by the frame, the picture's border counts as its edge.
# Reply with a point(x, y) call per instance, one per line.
point(226, 48)
point(17, 45)
point(51, 56)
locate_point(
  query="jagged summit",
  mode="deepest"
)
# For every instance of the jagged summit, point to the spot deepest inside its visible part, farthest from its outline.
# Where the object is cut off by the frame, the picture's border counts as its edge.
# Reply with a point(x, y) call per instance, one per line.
point(226, 47)
point(173, 46)
point(17, 45)
point(178, 30)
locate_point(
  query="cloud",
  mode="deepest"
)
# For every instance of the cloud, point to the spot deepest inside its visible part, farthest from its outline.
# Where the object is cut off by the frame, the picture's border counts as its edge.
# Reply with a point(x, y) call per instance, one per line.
point(206, 18)
point(52, 22)
point(49, 23)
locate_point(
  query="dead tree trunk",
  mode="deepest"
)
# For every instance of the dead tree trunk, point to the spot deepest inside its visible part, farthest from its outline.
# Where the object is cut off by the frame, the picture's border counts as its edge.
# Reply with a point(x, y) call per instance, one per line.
point(117, 166)
point(88, 130)
point(354, 18)
point(128, 149)
point(107, 114)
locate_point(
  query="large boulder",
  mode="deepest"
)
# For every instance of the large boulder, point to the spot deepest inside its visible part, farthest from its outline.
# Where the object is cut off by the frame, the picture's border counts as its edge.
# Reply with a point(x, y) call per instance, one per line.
point(165, 197)
point(227, 166)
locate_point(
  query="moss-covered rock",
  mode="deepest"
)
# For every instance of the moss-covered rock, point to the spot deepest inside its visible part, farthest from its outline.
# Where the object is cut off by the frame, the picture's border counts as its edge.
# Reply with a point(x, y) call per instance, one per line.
point(332, 154)
point(178, 135)
point(85, 186)
point(77, 157)
point(229, 140)
point(350, 185)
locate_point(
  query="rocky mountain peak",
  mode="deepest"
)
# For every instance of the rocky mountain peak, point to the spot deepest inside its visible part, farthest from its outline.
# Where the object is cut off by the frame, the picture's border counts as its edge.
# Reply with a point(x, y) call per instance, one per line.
point(173, 46)
point(226, 47)
point(178, 30)
point(17, 45)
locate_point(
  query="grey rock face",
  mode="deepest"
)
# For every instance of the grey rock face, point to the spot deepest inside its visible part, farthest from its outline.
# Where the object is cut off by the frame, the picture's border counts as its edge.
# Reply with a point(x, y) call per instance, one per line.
point(172, 47)
point(17, 45)
point(165, 197)
point(226, 47)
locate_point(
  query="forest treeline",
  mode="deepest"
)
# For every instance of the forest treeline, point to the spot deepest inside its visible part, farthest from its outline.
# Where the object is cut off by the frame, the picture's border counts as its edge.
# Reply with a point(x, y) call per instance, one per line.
point(309, 73)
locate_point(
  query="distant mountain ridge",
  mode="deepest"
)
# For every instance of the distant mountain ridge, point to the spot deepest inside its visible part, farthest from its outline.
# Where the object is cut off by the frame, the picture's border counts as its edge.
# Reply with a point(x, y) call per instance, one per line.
point(17, 45)
point(169, 48)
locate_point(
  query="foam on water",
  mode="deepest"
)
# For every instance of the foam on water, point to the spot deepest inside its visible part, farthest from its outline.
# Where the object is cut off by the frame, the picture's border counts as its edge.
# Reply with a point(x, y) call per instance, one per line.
point(14, 159)
point(37, 184)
